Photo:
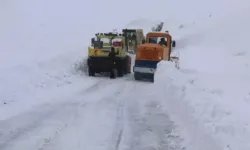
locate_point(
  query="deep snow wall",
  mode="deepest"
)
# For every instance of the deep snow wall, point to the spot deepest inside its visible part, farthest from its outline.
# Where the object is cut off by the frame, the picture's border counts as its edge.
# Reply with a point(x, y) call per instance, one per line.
point(37, 30)
point(211, 90)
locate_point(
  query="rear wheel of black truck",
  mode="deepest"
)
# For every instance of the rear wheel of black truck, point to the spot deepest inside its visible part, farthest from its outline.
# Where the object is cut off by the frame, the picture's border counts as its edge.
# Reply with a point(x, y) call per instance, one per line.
point(126, 65)
point(91, 71)
point(120, 68)
point(113, 73)
point(120, 72)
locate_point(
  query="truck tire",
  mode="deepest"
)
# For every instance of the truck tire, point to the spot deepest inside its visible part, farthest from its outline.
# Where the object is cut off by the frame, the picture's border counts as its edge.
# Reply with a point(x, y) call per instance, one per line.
point(125, 62)
point(152, 79)
point(91, 71)
point(113, 74)
point(121, 68)
point(128, 64)
point(120, 72)
point(137, 76)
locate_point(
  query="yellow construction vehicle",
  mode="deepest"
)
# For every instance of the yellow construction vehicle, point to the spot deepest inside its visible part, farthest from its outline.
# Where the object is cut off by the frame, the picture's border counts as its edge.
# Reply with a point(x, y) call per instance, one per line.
point(133, 38)
point(98, 54)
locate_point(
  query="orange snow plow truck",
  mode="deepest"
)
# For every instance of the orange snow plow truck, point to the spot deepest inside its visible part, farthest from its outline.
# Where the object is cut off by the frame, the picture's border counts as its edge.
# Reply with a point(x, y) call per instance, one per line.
point(156, 47)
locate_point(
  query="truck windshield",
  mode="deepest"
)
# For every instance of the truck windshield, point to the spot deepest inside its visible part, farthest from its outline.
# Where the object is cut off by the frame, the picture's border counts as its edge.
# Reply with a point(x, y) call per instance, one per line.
point(158, 40)
point(116, 40)
point(105, 40)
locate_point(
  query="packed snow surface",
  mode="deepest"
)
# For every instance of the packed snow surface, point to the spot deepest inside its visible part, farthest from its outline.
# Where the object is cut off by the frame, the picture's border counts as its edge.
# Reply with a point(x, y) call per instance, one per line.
point(48, 103)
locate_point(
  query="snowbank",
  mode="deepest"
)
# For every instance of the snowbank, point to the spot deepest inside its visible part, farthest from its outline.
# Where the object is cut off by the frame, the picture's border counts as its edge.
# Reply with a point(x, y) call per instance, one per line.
point(39, 46)
point(25, 86)
point(211, 90)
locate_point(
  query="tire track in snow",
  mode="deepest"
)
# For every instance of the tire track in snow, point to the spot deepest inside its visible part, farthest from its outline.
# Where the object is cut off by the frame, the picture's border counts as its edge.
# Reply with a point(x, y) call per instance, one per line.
point(105, 83)
point(119, 124)
point(13, 131)
point(148, 127)
point(118, 130)
point(100, 128)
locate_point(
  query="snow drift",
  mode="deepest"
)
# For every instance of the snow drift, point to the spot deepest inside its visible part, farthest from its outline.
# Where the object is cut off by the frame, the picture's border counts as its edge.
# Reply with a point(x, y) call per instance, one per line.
point(40, 44)
point(212, 84)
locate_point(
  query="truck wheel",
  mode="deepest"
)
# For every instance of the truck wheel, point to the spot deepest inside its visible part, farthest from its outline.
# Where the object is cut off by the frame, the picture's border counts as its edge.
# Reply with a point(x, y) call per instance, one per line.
point(91, 71)
point(113, 74)
point(137, 76)
point(128, 64)
point(120, 72)
point(152, 79)
point(125, 62)
point(120, 68)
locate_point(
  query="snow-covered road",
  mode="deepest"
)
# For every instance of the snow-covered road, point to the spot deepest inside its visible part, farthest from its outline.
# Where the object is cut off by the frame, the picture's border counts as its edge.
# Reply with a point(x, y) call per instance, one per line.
point(108, 115)
point(45, 104)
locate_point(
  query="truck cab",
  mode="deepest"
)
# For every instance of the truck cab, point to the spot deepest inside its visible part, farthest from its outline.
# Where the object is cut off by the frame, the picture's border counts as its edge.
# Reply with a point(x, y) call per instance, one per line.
point(99, 60)
point(101, 46)
point(133, 38)
point(156, 47)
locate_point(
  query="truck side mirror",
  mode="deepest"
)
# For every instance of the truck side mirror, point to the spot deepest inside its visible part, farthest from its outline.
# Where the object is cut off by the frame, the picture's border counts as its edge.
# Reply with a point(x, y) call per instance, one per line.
point(173, 43)
point(92, 41)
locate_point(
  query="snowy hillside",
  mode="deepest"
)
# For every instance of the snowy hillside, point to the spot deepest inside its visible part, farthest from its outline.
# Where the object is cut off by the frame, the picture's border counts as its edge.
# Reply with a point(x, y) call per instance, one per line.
point(213, 82)
point(40, 43)
point(47, 103)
